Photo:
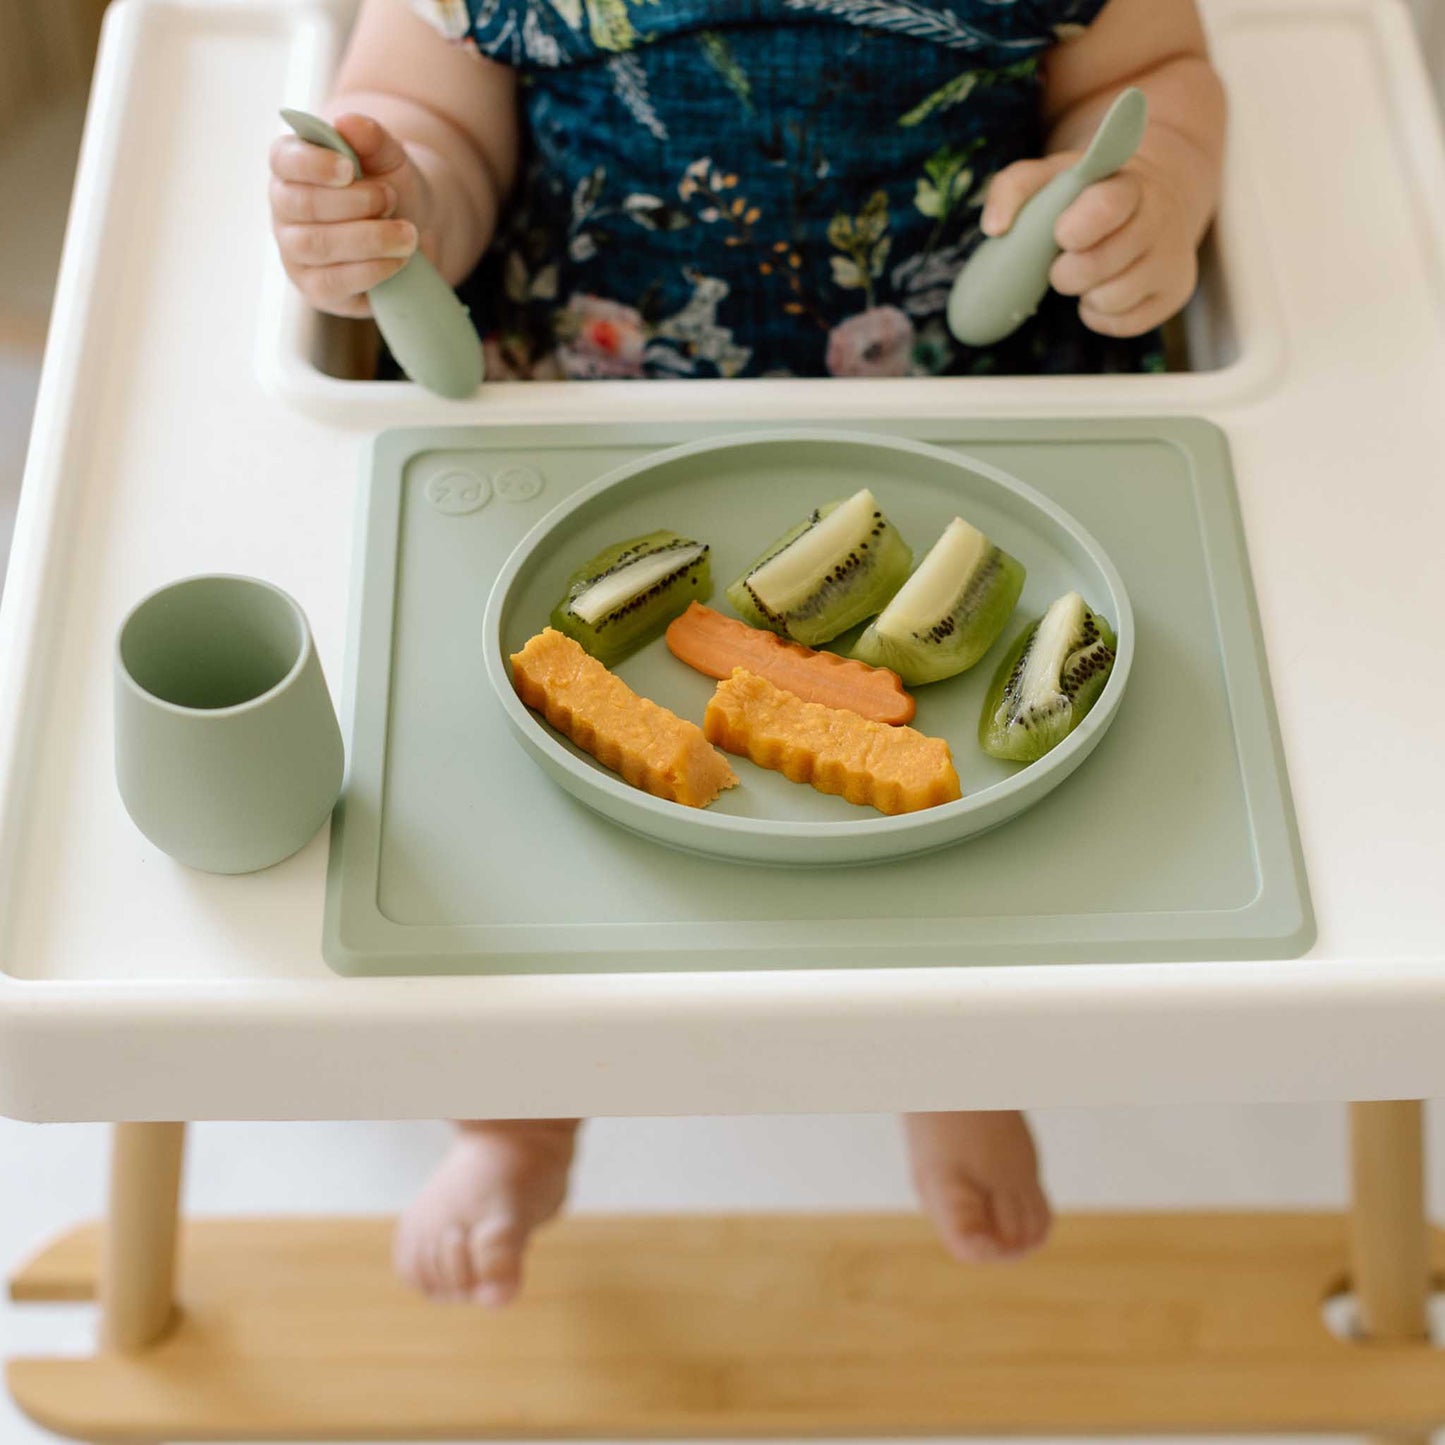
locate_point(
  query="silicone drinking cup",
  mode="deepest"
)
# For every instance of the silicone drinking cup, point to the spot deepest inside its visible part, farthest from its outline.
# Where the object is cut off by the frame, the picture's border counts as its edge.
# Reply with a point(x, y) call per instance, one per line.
point(427, 328)
point(1002, 283)
point(227, 750)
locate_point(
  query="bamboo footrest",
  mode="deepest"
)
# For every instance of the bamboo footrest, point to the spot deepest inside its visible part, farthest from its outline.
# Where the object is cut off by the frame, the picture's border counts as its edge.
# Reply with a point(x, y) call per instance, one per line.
point(765, 1325)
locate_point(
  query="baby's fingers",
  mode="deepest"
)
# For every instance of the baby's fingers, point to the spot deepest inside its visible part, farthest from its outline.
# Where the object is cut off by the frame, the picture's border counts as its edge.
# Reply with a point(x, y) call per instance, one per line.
point(1013, 185)
point(376, 148)
point(1076, 272)
point(342, 289)
point(1122, 293)
point(293, 159)
point(297, 203)
point(1151, 312)
point(1101, 210)
point(1153, 289)
point(303, 245)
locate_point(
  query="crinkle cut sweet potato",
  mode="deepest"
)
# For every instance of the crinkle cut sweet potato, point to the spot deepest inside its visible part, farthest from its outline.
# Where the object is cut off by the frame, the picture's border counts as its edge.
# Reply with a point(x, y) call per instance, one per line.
point(893, 769)
point(652, 748)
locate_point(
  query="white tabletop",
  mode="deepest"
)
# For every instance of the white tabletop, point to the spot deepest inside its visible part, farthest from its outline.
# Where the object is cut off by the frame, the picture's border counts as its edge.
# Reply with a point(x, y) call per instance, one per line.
point(181, 429)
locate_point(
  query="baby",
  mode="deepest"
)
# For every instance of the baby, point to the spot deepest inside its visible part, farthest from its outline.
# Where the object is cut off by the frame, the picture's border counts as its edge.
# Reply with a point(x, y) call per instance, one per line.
point(697, 188)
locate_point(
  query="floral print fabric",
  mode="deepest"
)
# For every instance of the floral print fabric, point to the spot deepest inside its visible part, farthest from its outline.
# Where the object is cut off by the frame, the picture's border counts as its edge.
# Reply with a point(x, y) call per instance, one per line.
point(761, 187)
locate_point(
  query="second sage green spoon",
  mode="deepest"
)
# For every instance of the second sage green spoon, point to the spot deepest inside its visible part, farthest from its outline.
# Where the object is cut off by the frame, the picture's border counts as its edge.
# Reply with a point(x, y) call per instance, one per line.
point(427, 328)
point(1002, 283)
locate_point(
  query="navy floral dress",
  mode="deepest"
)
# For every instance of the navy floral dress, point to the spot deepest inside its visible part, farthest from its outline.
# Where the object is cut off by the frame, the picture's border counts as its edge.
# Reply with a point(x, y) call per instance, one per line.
point(762, 187)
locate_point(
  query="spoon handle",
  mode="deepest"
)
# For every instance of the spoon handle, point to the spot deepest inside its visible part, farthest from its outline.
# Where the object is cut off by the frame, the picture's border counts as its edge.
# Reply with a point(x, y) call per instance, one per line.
point(1002, 283)
point(427, 329)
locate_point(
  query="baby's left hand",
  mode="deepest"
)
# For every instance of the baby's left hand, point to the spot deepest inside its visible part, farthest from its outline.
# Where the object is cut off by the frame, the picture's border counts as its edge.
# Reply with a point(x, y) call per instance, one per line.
point(1129, 245)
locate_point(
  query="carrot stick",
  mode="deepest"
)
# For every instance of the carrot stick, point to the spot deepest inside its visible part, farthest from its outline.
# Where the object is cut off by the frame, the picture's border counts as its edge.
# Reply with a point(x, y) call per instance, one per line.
point(715, 645)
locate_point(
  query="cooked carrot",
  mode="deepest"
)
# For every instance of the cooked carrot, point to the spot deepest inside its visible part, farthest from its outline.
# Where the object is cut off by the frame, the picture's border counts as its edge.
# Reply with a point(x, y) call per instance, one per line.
point(651, 747)
point(715, 645)
point(896, 770)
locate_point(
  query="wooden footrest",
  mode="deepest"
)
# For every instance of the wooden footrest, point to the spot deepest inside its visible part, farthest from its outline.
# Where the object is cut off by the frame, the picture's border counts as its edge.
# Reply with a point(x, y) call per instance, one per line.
point(765, 1325)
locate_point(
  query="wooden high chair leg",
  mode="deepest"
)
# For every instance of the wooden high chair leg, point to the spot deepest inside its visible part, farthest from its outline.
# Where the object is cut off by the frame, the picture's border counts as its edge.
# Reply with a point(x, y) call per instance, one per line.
point(137, 1276)
point(1389, 1230)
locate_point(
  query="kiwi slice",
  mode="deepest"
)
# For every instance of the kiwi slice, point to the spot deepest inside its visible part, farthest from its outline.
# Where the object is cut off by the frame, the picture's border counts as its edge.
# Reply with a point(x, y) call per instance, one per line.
point(829, 573)
point(1045, 686)
point(949, 613)
point(625, 596)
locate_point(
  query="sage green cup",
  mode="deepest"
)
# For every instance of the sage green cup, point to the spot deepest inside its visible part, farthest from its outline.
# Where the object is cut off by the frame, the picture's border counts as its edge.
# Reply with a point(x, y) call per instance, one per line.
point(227, 750)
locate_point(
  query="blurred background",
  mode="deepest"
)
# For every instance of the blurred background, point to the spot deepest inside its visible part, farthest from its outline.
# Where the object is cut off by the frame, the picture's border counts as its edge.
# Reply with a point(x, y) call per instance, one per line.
point(52, 1176)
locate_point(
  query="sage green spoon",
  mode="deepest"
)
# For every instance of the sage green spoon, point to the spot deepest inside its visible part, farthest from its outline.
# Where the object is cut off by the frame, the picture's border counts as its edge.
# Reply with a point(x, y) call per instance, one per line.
point(1002, 283)
point(427, 328)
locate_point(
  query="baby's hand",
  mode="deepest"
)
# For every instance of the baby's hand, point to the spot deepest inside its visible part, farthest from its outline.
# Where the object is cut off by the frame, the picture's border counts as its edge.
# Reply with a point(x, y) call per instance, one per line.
point(338, 236)
point(1129, 249)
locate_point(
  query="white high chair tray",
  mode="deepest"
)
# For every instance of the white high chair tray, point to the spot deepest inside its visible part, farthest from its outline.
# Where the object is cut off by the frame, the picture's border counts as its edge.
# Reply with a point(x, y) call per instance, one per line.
point(181, 428)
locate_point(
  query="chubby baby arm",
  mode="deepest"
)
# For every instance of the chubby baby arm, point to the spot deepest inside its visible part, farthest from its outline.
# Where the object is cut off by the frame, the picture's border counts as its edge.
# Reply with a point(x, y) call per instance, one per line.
point(434, 126)
point(1130, 243)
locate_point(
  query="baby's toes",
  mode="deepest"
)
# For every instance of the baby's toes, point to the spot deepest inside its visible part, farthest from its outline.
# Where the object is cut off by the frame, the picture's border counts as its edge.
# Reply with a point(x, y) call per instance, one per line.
point(1023, 1220)
point(963, 1214)
point(494, 1253)
point(1008, 1218)
point(1040, 1218)
point(410, 1257)
point(453, 1271)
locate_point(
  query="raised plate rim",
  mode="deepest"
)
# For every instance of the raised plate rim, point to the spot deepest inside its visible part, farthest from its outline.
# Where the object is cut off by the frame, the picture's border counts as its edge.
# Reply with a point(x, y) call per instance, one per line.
point(589, 778)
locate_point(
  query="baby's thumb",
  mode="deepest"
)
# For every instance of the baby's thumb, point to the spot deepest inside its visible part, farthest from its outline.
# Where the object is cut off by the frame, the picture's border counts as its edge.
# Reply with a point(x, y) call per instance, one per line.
point(376, 148)
point(1013, 185)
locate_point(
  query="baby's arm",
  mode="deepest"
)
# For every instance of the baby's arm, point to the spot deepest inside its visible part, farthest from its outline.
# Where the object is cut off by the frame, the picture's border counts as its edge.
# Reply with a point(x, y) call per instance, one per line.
point(435, 128)
point(1130, 242)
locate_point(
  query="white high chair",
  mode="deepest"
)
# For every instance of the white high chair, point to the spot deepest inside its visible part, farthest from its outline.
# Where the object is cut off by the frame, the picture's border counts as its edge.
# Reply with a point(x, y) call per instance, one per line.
point(182, 427)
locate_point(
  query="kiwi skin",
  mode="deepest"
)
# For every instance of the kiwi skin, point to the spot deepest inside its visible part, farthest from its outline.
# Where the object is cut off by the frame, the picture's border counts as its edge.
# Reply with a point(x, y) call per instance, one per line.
point(644, 618)
point(919, 663)
point(887, 571)
point(1025, 742)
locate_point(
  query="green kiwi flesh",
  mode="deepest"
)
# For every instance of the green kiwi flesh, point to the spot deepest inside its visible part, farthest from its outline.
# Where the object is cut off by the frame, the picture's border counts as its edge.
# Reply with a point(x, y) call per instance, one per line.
point(1046, 684)
point(832, 571)
point(949, 613)
point(626, 595)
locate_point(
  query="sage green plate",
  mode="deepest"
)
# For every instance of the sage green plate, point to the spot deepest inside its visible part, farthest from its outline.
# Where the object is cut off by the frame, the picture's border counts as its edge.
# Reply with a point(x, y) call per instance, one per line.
point(737, 494)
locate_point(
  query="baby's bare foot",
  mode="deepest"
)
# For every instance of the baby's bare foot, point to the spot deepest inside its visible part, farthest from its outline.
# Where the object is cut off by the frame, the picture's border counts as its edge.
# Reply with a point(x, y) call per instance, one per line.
point(977, 1177)
point(465, 1234)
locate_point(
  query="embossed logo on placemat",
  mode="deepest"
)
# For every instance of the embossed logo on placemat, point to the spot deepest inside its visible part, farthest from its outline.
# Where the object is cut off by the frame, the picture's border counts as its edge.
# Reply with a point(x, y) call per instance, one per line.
point(518, 482)
point(458, 492)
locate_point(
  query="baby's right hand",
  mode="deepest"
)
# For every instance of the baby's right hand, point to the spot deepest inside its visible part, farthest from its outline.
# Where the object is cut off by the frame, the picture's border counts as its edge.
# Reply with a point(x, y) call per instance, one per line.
point(338, 236)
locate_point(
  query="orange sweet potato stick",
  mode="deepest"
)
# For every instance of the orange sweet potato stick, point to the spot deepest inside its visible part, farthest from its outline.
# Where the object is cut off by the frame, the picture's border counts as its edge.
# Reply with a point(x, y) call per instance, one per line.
point(652, 748)
point(715, 645)
point(896, 770)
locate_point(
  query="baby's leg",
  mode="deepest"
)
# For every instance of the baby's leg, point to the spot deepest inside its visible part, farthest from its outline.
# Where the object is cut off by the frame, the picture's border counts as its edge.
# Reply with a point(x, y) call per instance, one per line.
point(977, 1176)
point(465, 1234)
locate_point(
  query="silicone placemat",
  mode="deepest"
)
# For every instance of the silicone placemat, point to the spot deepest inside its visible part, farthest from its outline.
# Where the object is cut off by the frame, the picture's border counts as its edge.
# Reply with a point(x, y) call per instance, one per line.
point(452, 853)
